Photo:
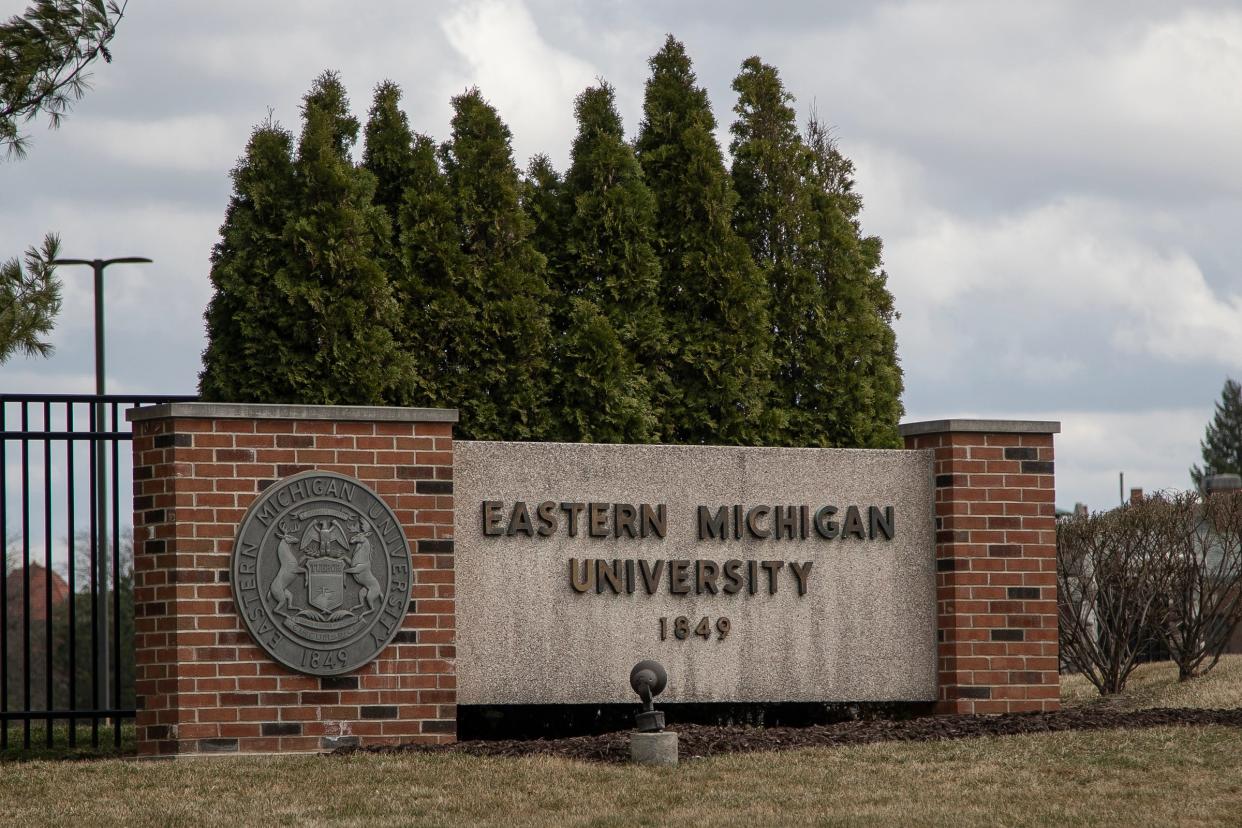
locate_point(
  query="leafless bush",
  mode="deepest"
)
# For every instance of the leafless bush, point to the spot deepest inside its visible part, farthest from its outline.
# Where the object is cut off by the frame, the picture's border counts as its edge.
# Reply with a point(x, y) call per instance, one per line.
point(1111, 573)
point(1204, 580)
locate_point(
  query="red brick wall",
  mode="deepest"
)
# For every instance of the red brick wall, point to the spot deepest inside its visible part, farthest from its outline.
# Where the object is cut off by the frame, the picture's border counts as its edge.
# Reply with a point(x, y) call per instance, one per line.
point(996, 586)
point(202, 684)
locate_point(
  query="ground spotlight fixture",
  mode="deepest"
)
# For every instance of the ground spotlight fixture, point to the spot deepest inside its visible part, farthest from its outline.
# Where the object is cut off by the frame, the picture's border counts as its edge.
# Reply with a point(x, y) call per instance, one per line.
point(648, 678)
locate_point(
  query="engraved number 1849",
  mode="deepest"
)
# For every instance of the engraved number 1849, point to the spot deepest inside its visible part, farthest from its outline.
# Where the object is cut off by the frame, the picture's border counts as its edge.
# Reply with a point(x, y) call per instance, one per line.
point(680, 628)
point(329, 658)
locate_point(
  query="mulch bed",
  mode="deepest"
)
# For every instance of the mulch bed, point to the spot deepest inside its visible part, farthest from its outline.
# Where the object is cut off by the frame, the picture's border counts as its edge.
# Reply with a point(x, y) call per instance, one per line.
point(699, 741)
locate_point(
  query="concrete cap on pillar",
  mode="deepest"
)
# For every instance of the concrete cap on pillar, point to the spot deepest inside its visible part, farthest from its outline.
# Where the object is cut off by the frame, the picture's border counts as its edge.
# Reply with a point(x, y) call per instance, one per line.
point(281, 411)
point(980, 427)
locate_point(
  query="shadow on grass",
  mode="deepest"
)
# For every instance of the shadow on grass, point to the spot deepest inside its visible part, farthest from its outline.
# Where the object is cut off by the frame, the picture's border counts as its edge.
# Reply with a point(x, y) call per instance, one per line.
point(86, 744)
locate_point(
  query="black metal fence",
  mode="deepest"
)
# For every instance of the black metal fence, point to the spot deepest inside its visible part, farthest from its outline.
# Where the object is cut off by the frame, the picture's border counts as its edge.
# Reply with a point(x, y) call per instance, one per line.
point(66, 584)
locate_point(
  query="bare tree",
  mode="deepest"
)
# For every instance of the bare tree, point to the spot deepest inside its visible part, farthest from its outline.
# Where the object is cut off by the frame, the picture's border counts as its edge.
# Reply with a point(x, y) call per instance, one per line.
point(12, 551)
point(1204, 559)
point(1111, 572)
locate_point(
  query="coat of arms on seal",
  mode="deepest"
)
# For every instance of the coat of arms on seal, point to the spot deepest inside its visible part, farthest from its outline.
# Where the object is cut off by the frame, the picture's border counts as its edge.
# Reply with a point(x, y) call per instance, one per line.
point(321, 573)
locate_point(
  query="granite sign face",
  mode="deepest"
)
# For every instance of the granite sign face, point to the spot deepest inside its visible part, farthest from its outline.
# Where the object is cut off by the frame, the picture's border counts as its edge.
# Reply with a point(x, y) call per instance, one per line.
point(321, 573)
point(752, 574)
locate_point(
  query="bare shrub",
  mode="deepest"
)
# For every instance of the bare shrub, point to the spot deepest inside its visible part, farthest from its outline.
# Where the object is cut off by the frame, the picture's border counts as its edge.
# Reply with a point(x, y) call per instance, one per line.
point(1111, 569)
point(1204, 579)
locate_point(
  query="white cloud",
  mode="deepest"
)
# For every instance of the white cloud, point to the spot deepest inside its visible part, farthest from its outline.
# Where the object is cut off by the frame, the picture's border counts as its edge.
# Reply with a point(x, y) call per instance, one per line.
point(189, 143)
point(1053, 181)
point(153, 312)
point(1074, 262)
point(1078, 93)
point(1187, 69)
point(1154, 448)
point(496, 37)
point(270, 56)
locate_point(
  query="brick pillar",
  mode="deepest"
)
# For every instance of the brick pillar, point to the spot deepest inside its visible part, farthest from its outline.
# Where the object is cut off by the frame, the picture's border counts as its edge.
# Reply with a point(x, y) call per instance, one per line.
point(996, 583)
point(202, 683)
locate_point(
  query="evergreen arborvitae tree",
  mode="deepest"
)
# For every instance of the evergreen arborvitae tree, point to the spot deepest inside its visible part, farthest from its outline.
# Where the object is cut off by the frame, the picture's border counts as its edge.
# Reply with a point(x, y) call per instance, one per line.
point(436, 300)
point(390, 155)
point(344, 314)
point(389, 149)
point(867, 384)
point(247, 318)
point(771, 167)
point(303, 312)
point(598, 394)
point(714, 302)
point(610, 367)
point(499, 384)
point(837, 380)
point(1222, 439)
point(543, 201)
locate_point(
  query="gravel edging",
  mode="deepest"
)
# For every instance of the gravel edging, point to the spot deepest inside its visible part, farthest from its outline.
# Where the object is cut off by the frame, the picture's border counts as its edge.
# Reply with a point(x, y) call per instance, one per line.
point(700, 741)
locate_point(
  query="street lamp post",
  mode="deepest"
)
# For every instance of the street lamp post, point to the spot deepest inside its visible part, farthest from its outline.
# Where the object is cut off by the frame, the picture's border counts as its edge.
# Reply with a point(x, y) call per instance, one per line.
point(101, 458)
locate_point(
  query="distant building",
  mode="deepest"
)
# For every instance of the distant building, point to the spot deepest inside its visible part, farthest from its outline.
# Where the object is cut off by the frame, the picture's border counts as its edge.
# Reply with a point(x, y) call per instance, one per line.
point(1212, 484)
point(39, 608)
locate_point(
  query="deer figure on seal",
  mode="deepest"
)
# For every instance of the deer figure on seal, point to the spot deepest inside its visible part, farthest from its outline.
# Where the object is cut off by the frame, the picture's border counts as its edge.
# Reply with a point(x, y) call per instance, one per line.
point(360, 565)
point(288, 567)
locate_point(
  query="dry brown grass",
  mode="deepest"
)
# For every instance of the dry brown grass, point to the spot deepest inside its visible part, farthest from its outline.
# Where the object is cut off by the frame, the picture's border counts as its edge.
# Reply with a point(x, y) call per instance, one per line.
point(1156, 685)
point(1162, 776)
point(1165, 776)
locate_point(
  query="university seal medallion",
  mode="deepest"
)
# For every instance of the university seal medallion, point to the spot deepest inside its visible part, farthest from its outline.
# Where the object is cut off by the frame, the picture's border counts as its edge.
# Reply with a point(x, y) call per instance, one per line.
point(321, 573)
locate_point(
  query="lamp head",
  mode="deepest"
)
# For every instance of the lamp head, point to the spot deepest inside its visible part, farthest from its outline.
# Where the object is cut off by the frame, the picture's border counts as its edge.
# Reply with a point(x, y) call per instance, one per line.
point(649, 676)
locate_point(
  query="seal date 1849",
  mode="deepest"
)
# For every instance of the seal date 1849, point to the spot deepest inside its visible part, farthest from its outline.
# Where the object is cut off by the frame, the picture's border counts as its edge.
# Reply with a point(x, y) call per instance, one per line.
point(321, 573)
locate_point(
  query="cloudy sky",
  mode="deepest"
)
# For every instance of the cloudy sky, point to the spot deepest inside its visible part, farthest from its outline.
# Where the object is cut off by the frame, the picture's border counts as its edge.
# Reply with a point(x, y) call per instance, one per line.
point(1058, 184)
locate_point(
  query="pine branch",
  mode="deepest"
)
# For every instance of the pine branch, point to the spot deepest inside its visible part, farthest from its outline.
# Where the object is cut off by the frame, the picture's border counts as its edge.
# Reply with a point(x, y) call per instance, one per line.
point(44, 54)
point(29, 301)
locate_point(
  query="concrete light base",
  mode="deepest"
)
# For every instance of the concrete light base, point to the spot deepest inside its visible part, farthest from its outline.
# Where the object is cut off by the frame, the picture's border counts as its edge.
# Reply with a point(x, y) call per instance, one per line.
point(654, 748)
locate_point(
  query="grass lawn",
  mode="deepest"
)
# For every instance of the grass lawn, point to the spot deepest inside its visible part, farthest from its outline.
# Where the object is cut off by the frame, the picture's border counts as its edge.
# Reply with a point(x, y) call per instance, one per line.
point(1156, 685)
point(1165, 776)
point(1161, 776)
point(61, 748)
